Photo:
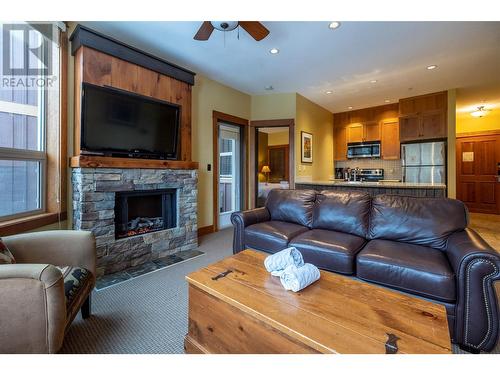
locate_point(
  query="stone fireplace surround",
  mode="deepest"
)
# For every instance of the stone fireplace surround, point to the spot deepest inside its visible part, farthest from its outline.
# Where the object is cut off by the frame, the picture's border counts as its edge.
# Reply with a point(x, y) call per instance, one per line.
point(93, 209)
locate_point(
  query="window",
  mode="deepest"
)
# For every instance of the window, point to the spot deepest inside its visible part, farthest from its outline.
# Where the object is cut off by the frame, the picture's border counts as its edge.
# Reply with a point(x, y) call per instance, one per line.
point(29, 105)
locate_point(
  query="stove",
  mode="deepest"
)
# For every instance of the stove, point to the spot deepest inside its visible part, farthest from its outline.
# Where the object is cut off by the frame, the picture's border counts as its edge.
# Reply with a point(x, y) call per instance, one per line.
point(373, 175)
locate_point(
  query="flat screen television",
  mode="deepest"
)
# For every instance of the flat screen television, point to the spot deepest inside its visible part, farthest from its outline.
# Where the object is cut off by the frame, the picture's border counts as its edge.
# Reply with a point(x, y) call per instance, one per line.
point(120, 123)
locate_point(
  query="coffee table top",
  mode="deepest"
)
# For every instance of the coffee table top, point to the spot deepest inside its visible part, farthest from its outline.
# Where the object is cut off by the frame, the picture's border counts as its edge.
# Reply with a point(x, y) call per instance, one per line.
point(337, 314)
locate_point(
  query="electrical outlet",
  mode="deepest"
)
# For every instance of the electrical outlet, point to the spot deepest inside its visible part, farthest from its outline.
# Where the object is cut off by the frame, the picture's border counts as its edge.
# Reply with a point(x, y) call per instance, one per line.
point(209, 167)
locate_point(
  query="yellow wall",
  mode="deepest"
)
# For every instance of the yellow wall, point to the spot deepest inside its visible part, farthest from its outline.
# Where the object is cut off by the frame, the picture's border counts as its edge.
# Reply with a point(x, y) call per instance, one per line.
point(316, 120)
point(468, 124)
point(279, 138)
point(273, 106)
point(208, 96)
point(451, 144)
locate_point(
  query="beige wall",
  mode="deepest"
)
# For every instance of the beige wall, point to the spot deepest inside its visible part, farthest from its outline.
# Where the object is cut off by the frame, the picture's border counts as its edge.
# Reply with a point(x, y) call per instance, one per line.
point(208, 96)
point(318, 121)
point(273, 106)
point(279, 138)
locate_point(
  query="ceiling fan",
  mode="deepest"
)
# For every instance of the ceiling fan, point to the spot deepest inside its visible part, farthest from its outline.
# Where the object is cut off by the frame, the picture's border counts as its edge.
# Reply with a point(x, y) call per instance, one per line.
point(254, 28)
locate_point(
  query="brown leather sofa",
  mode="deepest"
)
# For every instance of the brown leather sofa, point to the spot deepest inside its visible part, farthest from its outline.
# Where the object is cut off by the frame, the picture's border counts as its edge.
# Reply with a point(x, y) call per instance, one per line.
point(42, 292)
point(419, 246)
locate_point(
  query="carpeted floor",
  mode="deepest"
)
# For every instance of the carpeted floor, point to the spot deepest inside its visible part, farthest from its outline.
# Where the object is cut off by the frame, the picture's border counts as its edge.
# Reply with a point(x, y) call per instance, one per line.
point(148, 314)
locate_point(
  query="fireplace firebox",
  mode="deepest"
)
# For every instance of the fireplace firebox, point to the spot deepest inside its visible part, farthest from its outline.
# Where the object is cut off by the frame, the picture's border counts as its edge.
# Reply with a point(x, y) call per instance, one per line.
point(141, 212)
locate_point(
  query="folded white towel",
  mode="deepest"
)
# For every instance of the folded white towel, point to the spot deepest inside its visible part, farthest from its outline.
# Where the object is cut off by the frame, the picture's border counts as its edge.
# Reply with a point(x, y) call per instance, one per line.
point(277, 262)
point(297, 278)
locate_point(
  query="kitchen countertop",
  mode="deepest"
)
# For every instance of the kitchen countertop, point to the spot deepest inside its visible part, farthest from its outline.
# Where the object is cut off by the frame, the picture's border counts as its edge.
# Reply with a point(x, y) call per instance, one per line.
point(396, 185)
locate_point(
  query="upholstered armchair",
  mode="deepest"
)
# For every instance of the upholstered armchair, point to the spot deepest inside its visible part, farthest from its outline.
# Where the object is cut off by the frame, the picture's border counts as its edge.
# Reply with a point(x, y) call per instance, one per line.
point(41, 293)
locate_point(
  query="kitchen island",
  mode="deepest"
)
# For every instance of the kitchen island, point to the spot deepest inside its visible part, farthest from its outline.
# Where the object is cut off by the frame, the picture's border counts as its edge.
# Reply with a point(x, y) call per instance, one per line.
point(428, 190)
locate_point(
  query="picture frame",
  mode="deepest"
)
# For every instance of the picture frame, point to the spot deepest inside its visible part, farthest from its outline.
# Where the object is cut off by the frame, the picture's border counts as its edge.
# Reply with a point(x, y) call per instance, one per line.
point(306, 147)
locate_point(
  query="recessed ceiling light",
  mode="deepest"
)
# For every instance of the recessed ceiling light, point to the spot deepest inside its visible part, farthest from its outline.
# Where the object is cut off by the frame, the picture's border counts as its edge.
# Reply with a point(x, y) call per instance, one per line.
point(387, 101)
point(430, 67)
point(329, 92)
point(274, 51)
point(373, 81)
point(349, 107)
point(334, 25)
point(269, 88)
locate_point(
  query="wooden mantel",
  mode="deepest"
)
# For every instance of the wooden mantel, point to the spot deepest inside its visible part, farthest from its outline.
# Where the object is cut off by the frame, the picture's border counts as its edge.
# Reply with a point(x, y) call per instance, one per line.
point(85, 161)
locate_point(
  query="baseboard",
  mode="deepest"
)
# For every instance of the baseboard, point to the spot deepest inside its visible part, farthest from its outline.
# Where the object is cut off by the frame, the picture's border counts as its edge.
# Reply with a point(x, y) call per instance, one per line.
point(205, 230)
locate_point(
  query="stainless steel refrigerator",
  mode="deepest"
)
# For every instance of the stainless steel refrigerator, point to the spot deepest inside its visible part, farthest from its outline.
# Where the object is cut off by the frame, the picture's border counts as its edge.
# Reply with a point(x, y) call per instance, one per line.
point(424, 162)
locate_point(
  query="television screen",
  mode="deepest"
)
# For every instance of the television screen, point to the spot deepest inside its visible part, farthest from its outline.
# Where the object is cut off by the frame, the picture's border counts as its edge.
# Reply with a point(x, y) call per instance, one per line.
point(118, 122)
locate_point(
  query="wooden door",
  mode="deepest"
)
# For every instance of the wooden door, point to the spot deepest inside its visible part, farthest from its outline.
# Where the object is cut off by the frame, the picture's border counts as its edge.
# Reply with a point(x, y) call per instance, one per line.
point(371, 132)
point(477, 180)
point(277, 157)
point(340, 143)
point(409, 128)
point(355, 133)
point(433, 125)
point(390, 139)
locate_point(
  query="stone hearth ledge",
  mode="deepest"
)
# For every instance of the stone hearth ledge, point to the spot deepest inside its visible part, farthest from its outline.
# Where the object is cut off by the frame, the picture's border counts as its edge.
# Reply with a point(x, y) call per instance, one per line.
point(93, 209)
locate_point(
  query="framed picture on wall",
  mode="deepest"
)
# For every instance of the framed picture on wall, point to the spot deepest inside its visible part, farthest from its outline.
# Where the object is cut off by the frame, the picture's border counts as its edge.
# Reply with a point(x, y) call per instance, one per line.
point(306, 147)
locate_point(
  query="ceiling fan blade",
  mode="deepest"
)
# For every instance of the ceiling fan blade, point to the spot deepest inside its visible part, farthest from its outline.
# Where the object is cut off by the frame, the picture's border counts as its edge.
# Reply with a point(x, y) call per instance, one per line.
point(204, 31)
point(255, 29)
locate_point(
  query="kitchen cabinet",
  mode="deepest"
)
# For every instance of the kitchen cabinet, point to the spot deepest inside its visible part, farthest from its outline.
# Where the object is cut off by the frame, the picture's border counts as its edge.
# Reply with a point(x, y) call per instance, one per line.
point(340, 143)
point(423, 117)
point(365, 132)
point(390, 139)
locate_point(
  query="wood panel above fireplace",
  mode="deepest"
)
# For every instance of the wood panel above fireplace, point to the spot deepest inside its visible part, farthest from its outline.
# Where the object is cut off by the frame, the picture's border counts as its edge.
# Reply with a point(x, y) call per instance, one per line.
point(105, 69)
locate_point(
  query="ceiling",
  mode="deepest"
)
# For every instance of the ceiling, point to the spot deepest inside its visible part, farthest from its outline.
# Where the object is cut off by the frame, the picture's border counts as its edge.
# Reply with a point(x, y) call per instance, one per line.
point(314, 59)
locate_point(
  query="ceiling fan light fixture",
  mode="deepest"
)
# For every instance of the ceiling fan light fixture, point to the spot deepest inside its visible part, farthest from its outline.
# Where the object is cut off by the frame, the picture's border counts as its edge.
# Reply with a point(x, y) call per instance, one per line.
point(334, 25)
point(224, 25)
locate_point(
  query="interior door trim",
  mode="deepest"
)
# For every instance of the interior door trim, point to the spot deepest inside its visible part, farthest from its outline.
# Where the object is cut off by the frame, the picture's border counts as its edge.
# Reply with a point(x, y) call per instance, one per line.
point(243, 124)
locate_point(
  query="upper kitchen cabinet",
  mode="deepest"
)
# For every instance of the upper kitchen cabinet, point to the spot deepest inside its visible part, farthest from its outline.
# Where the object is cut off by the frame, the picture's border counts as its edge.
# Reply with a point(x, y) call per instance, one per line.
point(340, 121)
point(365, 132)
point(390, 139)
point(423, 117)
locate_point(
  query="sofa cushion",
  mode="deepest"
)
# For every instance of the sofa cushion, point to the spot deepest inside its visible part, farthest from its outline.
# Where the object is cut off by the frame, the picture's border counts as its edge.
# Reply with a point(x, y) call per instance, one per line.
point(271, 236)
point(343, 211)
point(329, 250)
point(294, 206)
point(419, 221)
point(411, 268)
point(6, 256)
point(77, 282)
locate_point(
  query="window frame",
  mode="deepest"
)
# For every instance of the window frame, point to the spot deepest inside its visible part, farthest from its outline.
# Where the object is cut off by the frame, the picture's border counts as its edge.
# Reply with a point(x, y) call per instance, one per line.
point(39, 156)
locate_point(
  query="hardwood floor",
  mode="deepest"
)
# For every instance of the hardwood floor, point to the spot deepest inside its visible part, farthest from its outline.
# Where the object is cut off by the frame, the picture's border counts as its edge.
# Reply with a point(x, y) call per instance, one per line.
point(488, 226)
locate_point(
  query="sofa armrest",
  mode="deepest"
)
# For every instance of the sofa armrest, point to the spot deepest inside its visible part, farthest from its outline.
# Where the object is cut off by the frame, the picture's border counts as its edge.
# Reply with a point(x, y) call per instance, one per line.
point(243, 219)
point(477, 267)
point(32, 308)
point(57, 247)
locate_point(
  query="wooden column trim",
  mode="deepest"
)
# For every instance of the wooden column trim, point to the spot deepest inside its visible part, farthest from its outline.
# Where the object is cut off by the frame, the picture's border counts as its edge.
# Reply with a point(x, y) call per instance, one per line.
point(235, 120)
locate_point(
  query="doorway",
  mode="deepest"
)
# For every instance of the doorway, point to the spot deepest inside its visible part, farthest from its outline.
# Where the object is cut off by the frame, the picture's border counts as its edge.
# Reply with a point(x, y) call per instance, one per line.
point(230, 173)
point(478, 171)
point(273, 162)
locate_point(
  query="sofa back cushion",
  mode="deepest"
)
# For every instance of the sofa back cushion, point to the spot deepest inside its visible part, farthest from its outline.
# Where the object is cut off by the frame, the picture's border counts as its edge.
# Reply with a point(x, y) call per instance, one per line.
point(6, 256)
point(293, 206)
point(342, 211)
point(420, 221)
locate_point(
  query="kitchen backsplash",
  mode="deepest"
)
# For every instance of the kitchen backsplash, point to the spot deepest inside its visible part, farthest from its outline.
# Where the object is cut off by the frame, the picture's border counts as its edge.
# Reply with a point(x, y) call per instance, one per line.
point(392, 168)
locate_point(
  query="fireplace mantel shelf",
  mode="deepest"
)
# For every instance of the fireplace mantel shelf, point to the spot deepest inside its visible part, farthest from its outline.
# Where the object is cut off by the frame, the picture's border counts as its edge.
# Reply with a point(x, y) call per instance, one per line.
point(84, 161)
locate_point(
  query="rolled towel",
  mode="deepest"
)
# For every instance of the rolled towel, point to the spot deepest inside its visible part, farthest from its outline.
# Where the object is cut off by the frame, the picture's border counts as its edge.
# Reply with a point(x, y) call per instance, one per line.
point(297, 278)
point(277, 262)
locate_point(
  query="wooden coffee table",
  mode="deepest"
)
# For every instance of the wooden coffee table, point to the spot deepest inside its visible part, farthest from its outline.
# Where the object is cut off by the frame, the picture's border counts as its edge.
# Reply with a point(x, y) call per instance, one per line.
point(235, 306)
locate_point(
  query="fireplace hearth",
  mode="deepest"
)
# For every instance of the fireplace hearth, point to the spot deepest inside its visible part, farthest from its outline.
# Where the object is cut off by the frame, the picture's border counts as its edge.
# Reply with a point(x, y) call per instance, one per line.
point(141, 212)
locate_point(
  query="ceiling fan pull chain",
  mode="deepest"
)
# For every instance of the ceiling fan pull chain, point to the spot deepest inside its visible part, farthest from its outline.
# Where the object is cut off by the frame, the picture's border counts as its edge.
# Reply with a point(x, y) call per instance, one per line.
point(238, 36)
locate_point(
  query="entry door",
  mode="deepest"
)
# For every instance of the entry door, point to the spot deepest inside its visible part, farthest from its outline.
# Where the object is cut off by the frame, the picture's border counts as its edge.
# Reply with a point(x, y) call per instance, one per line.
point(229, 173)
point(478, 184)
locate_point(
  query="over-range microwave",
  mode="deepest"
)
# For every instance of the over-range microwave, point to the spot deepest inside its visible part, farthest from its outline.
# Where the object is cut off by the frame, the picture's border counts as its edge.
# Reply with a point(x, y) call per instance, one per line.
point(363, 150)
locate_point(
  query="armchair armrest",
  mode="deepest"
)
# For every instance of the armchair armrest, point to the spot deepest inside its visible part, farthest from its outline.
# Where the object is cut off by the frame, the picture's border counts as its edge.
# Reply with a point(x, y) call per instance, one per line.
point(32, 308)
point(243, 219)
point(477, 266)
point(57, 247)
